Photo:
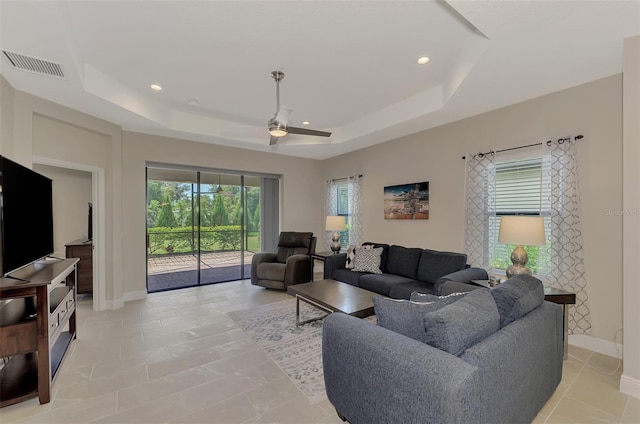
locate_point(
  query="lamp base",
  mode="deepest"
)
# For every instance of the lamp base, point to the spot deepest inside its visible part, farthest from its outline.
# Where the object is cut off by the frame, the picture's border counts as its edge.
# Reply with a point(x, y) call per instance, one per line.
point(335, 246)
point(519, 258)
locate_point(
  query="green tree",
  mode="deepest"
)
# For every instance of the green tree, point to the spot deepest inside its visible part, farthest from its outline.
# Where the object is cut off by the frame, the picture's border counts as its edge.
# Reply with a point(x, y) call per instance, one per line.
point(219, 213)
point(153, 210)
point(256, 219)
point(237, 213)
point(166, 217)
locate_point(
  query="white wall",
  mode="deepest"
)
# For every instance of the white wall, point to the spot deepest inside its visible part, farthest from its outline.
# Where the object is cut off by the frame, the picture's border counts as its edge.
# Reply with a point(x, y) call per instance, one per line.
point(630, 380)
point(71, 194)
point(594, 110)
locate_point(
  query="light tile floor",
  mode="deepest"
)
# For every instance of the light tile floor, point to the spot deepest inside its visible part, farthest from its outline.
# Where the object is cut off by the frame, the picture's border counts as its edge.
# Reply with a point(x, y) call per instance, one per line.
point(176, 357)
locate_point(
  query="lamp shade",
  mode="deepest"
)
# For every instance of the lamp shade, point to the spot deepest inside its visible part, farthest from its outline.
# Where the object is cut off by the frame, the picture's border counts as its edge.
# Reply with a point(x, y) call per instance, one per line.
point(522, 230)
point(335, 223)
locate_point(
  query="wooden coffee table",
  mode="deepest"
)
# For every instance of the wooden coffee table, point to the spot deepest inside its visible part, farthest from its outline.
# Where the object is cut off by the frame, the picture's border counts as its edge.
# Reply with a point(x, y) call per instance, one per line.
point(332, 296)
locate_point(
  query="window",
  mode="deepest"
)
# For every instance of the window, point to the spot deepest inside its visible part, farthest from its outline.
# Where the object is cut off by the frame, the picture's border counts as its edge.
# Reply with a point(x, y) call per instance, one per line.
point(342, 191)
point(518, 190)
point(343, 198)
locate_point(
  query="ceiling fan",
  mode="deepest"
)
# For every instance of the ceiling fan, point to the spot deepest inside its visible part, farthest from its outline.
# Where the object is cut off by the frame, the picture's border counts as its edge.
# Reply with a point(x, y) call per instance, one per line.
point(278, 127)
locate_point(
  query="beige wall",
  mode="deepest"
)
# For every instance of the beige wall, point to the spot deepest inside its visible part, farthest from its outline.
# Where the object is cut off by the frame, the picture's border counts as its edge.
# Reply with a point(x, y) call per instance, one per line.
point(55, 133)
point(44, 129)
point(594, 110)
point(6, 118)
point(630, 381)
point(71, 194)
point(301, 187)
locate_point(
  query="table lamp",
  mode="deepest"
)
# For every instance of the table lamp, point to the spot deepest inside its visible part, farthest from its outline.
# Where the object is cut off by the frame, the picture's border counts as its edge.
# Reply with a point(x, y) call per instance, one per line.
point(335, 224)
point(521, 230)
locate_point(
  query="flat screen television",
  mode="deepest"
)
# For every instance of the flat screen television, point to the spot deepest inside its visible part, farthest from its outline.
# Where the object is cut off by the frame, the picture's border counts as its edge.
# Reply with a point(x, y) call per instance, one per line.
point(26, 216)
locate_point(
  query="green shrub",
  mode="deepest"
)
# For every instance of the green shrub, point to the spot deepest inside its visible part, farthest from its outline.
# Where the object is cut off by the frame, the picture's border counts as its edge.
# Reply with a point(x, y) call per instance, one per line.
point(163, 240)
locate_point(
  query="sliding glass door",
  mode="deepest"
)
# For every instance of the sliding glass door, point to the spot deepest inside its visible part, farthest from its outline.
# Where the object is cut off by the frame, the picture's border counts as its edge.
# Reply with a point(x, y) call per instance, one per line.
point(203, 226)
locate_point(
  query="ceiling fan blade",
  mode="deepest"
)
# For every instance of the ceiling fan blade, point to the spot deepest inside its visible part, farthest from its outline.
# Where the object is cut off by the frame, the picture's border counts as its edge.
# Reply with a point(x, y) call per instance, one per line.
point(273, 140)
point(305, 131)
point(283, 115)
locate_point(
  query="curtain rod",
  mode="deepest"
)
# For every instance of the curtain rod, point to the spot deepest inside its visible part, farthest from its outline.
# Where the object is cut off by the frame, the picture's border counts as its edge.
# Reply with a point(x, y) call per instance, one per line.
point(560, 140)
point(342, 179)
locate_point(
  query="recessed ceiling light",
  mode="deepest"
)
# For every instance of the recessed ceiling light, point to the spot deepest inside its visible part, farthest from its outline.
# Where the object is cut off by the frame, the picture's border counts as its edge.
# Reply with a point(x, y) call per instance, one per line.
point(193, 103)
point(305, 122)
point(155, 87)
point(423, 60)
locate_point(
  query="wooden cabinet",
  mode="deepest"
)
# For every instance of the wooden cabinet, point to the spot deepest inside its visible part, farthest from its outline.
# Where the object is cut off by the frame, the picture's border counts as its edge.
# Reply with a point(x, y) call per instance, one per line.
point(83, 250)
point(34, 341)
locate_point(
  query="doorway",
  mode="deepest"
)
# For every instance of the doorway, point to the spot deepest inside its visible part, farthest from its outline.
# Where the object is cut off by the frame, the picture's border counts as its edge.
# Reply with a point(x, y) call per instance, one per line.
point(203, 226)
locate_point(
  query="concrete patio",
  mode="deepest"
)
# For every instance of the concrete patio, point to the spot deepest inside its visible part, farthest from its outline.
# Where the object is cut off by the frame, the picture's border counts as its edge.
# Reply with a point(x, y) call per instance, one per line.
point(180, 270)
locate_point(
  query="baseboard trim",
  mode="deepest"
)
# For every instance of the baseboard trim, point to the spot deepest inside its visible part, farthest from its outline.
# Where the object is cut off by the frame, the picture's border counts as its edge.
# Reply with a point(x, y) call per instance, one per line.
point(630, 386)
point(114, 304)
point(136, 295)
point(594, 344)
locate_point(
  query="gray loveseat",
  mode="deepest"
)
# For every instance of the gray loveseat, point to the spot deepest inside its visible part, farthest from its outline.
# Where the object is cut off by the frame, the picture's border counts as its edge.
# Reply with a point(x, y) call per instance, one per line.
point(375, 375)
point(405, 270)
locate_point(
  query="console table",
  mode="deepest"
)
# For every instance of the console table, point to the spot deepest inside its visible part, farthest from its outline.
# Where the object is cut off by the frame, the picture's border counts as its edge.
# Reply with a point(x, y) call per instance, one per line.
point(319, 256)
point(36, 341)
point(563, 298)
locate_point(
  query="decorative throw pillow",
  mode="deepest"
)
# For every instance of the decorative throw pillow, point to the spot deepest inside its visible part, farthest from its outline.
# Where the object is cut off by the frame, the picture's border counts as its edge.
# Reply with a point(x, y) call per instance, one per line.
point(465, 322)
point(351, 253)
point(405, 316)
point(367, 260)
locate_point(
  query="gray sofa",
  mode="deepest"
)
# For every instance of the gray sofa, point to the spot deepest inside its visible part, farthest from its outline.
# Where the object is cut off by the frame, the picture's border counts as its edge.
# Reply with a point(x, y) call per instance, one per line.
point(375, 375)
point(405, 270)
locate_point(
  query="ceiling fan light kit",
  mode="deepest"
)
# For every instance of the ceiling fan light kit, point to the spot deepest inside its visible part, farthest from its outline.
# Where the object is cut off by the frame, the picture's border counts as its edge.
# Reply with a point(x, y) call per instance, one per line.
point(278, 125)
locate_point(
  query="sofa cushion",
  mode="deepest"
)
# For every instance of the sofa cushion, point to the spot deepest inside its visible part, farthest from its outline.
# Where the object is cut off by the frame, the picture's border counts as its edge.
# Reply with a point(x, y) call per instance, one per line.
point(463, 323)
point(382, 283)
point(347, 276)
point(385, 254)
point(405, 317)
point(404, 289)
point(434, 264)
point(403, 261)
point(367, 260)
point(517, 297)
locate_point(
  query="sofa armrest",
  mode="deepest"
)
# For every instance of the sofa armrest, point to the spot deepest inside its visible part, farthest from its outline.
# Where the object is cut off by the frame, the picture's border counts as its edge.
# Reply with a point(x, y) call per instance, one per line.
point(257, 259)
point(333, 263)
point(462, 276)
point(298, 270)
point(375, 375)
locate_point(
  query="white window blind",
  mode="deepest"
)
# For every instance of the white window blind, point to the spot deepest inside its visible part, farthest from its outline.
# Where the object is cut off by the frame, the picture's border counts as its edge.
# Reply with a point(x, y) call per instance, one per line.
point(518, 187)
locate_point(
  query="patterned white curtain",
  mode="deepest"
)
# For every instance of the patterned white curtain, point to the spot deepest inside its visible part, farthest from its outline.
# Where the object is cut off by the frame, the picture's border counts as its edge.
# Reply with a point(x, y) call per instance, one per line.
point(480, 209)
point(355, 209)
point(560, 203)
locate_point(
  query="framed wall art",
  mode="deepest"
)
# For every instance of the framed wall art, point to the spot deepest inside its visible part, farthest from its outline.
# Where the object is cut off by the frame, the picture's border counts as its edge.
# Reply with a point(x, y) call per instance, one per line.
point(407, 201)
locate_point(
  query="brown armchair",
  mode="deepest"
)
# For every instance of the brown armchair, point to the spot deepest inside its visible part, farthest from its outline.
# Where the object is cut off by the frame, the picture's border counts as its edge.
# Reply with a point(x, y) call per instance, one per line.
point(290, 265)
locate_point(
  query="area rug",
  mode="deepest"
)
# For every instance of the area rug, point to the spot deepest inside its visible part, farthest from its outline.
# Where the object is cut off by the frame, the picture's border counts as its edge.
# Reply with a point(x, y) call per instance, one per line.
point(296, 350)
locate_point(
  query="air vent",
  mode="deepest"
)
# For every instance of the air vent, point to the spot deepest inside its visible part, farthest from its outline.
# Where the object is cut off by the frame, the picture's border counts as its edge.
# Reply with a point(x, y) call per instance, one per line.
point(35, 65)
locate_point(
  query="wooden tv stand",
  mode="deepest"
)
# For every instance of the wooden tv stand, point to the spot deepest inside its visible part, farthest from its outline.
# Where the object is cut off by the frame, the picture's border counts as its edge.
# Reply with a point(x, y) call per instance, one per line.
point(36, 346)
